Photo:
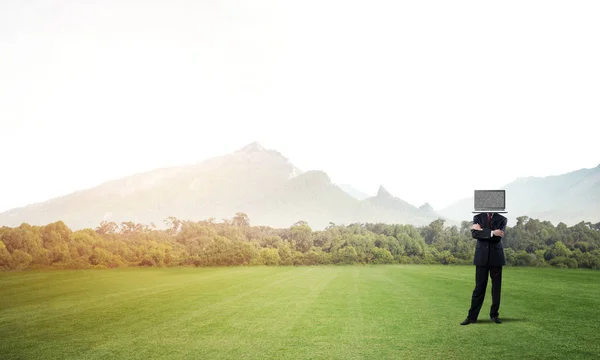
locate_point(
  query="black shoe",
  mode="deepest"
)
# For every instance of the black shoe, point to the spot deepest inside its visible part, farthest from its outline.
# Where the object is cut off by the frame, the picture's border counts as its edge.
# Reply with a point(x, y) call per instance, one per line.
point(496, 320)
point(468, 321)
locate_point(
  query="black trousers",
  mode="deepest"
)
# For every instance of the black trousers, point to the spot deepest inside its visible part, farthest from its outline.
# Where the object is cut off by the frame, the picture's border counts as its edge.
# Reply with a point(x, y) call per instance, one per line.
point(481, 281)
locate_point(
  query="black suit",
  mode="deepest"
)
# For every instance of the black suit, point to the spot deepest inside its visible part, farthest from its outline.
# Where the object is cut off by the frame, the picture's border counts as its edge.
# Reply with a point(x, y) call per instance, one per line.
point(489, 259)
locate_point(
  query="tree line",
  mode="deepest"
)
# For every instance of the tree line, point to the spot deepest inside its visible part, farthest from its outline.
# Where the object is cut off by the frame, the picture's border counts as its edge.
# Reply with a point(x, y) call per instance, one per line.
point(234, 242)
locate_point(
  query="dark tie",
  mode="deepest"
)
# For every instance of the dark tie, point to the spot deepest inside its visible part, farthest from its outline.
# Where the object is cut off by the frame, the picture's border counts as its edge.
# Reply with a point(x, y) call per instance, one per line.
point(490, 219)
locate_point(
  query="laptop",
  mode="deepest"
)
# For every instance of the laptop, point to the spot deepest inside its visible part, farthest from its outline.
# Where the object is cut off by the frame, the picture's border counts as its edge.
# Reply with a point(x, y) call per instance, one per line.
point(490, 201)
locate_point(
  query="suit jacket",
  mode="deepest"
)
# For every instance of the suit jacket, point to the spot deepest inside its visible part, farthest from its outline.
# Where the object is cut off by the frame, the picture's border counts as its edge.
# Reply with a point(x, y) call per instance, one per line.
point(489, 250)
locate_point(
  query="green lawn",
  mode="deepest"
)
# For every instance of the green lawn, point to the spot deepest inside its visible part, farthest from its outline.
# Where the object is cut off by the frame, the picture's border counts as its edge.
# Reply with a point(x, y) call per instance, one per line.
point(353, 312)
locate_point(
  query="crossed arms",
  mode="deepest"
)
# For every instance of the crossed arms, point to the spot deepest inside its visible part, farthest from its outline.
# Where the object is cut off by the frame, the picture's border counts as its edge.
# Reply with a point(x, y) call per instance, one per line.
point(481, 233)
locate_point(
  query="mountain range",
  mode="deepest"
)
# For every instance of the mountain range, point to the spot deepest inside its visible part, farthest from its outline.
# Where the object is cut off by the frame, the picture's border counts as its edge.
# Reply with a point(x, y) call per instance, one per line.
point(569, 198)
point(273, 192)
point(259, 182)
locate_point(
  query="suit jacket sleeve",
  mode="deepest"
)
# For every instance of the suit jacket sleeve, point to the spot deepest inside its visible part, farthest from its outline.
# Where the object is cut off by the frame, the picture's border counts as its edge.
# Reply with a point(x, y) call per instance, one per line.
point(503, 227)
point(484, 233)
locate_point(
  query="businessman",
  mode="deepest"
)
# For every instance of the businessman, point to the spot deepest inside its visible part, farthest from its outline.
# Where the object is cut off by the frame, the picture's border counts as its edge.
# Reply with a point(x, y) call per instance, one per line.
point(488, 229)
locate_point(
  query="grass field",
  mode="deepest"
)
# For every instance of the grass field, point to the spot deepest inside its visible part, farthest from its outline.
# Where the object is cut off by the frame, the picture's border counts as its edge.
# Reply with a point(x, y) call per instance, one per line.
point(353, 312)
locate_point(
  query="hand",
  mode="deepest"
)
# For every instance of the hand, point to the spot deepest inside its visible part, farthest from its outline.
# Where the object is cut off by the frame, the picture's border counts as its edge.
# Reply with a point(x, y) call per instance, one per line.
point(498, 233)
point(476, 227)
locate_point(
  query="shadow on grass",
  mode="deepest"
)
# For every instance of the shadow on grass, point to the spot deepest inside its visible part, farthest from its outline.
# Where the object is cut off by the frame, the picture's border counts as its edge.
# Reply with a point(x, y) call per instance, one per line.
point(504, 320)
point(512, 319)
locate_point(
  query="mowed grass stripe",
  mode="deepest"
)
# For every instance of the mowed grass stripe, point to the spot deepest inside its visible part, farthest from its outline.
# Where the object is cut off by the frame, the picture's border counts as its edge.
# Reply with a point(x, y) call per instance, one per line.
point(87, 291)
point(91, 319)
point(346, 321)
point(249, 312)
point(345, 312)
point(261, 325)
point(187, 311)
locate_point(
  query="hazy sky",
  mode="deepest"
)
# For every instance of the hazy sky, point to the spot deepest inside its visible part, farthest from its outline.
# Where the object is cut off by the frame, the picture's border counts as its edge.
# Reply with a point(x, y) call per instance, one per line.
point(432, 99)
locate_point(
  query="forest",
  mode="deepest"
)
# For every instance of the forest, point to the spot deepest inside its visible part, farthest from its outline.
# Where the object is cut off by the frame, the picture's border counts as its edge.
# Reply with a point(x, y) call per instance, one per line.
point(234, 242)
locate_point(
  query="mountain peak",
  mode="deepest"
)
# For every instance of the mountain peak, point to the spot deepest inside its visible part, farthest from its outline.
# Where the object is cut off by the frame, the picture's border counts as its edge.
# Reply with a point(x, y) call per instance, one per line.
point(252, 147)
point(382, 192)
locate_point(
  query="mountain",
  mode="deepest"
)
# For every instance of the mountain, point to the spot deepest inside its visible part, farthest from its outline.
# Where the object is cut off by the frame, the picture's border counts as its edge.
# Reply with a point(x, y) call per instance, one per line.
point(310, 196)
point(216, 187)
point(569, 198)
point(357, 194)
point(260, 182)
point(387, 208)
point(385, 200)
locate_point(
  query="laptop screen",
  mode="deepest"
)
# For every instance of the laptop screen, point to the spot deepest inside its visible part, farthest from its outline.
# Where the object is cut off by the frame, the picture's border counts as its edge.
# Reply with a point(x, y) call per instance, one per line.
point(490, 200)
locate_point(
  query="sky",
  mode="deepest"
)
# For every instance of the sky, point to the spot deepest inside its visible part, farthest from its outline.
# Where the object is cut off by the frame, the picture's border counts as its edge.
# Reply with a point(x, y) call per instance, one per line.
point(432, 99)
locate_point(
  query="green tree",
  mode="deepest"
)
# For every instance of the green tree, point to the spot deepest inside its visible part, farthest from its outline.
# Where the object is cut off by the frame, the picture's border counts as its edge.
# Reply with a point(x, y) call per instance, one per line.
point(5, 257)
point(382, 256)
point(346, 255)
point(241, 219)
point(269, 256)
point(20, 260)
point(301, 236)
